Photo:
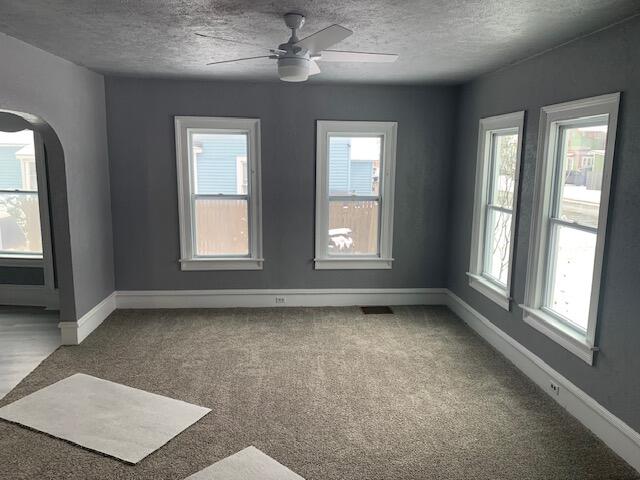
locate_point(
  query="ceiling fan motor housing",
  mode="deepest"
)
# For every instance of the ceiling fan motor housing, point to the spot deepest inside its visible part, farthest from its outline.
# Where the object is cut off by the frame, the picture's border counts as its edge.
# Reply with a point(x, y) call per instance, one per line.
point(293, 68)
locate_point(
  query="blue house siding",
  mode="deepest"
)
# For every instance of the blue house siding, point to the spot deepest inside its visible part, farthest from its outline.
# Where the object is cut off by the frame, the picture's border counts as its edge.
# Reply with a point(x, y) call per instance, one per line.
point(339, 166)
point(346, 176)
point(10, 172)
point(216, 164)
point(361, 177)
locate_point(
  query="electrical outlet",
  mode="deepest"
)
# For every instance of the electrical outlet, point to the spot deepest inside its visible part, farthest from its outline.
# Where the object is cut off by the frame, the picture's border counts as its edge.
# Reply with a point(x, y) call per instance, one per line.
point(281, 300)
point(555, 388)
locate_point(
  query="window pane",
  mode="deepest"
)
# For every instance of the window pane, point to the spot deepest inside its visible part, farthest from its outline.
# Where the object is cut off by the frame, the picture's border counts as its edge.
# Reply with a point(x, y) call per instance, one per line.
point(571, 268)
point(504, 158)
point(19, 212)
point(497, 242)
point(353, 227)
point(20, 224)
point(17, 161)
point(354, 165)
point(221, 227)
point(220, 163)
point(582, 165)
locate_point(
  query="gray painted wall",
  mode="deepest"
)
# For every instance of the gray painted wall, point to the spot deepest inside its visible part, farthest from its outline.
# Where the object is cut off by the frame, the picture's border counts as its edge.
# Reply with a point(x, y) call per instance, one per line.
point(602, 63)
point(70, 99)
point(144, 191)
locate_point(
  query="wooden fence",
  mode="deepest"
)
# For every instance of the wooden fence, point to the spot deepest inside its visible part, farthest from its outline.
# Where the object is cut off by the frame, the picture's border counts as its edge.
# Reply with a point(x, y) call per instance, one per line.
point(222, 226)
point(362, 219)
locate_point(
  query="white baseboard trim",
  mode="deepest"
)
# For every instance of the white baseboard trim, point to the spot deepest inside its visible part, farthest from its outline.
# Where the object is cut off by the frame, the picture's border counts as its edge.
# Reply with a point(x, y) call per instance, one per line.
point(271, 298)
point(29, 296)
point(72, 333)
point(619, 436)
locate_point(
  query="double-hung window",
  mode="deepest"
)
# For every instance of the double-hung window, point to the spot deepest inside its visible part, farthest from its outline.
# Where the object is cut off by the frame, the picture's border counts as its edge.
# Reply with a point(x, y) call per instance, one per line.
point(218, 162)
point(496, 196)
point(21, 213)
point(569, 220)
point(355, 168)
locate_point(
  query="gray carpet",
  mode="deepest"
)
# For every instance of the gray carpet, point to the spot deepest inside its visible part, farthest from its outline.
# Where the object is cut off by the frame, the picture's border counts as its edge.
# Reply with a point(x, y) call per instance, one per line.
point(328, 392)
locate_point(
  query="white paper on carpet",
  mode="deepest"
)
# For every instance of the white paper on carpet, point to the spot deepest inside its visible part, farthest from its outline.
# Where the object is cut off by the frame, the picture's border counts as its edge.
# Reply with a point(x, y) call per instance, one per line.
point(110, 418)
point(247, 464)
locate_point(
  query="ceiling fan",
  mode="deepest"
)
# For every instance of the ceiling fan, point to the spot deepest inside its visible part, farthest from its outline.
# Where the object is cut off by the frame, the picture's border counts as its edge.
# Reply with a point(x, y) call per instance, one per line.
point(297, 58)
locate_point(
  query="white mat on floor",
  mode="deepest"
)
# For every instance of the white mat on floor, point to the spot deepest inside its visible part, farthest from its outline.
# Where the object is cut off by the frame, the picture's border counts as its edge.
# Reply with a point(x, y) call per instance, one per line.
point(247, 464)
point(107, 417)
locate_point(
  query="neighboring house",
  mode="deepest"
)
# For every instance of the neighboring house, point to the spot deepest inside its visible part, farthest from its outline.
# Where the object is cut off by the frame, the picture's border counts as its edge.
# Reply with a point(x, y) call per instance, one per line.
point(18, 167)
point(27, 158)
point(221, 164)
point(221, 167)
point(585, 167)
point(594, 174)
point(10, 168)
point(585, 157)
point(347, 175)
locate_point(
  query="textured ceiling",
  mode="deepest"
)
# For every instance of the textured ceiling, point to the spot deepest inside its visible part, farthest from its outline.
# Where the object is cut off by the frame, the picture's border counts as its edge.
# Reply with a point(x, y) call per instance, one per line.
point(438, 40)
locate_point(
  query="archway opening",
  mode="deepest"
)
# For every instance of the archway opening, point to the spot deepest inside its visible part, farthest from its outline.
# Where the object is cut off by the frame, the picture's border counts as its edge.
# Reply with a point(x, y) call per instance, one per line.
point(35, 258)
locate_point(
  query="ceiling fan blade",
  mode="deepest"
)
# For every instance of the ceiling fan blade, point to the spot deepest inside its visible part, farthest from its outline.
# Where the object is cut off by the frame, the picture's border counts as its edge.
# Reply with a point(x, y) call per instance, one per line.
point(324, 38)
point(338, 56)
point(314, 69)
point(230, 40)
point(239, 59)
point(223, 39)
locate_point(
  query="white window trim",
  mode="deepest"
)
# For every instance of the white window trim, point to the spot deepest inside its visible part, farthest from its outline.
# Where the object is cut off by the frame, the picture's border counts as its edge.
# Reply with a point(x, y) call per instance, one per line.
point(582, 345)
point(488, 126)
point(384, 260)
point(188, 260)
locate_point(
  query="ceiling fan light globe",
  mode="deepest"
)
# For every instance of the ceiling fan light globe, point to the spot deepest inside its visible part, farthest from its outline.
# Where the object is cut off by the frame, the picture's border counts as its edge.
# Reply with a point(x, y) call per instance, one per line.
point(293, 69)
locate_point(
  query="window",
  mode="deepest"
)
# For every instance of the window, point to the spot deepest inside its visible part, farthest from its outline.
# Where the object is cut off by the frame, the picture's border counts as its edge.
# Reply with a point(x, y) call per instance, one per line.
point(218, 163)
point(20, 231)
point(354, 194)
point(496, 196)
point(569, 221)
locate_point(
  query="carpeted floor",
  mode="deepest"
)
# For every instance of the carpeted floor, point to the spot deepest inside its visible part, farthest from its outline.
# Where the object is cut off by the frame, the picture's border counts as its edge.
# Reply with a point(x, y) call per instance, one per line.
point(328, 392)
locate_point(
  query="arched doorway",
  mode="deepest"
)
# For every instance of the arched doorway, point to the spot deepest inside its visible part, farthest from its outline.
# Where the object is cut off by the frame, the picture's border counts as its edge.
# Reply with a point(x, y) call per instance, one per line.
point(26, 251)
point(35, 262)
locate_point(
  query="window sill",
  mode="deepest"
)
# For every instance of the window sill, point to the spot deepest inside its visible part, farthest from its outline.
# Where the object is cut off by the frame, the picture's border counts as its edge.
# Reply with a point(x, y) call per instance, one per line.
point(21, 261)
point(221, 264)
point(489, 290)
point(353, 263)
point(559, 333)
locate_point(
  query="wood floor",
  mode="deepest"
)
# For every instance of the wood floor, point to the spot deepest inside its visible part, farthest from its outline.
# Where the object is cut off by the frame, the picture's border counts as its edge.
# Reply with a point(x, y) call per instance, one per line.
point(27, 337)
